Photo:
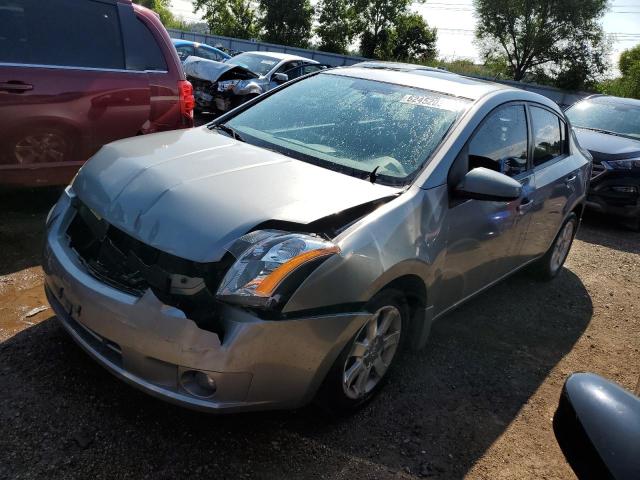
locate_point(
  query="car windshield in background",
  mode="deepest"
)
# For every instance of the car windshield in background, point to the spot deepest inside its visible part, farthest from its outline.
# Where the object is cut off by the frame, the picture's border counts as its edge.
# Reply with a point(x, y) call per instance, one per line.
point(259, 64)
point(352, 125)
point(607, 116)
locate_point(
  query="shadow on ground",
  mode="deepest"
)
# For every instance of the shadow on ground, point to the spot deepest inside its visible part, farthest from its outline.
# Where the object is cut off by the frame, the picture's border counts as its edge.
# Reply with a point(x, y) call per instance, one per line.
point(61, 415)
point(608, 232)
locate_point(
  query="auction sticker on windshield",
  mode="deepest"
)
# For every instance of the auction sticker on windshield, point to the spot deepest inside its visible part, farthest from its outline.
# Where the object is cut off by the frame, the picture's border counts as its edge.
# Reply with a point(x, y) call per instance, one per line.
point(449, 104)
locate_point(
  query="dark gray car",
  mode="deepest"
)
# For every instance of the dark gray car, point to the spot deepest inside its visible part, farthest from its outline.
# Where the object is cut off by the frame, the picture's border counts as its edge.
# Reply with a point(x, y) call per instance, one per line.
point(289, 250)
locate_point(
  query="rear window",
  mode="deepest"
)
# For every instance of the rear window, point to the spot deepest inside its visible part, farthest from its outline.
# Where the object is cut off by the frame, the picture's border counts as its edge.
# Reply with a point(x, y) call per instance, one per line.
point(60, 32)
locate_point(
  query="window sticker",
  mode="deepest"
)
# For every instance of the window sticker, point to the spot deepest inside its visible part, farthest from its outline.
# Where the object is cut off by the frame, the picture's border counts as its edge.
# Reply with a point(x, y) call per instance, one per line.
point(449, 104)
point(267, 62)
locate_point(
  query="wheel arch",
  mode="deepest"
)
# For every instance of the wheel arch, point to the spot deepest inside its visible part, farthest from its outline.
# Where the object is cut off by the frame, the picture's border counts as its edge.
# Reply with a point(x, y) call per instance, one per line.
point(414, 289)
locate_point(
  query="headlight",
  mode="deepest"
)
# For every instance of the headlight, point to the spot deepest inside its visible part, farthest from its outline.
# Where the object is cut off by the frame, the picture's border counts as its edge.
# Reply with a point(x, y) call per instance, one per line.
point(623, 164)
point(227, 85)
point(267, 262)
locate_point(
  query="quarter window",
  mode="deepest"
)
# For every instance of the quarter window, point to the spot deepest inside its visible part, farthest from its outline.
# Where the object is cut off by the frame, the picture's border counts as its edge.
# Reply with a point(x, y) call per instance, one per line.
point(547, 135)
point(60, 32)
point(144, 52)
point(184, 51)
point(500, 143)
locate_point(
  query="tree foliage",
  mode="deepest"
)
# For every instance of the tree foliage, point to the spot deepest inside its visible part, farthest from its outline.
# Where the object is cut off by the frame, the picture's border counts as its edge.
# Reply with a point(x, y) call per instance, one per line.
point(628, 59)
point(376, 20)
point(627, 85)
point(336, 25)
point(413, 40)
point(161, 7)
point(287, 22)
point(562, 35)
point(230, 18)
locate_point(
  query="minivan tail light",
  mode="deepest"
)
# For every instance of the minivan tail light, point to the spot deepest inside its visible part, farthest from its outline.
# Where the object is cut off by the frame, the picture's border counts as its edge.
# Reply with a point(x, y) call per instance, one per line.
point(187, 101)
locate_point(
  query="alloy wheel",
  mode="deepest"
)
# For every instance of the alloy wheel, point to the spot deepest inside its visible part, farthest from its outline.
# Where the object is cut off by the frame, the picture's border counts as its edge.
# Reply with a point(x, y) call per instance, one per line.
point(561, 248)
point(40, 148)
point(372, 352)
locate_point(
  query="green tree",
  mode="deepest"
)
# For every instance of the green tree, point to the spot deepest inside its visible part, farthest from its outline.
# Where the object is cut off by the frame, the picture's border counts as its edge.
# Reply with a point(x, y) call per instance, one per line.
point(161, 7)
point(628, 59)
point(287, 22)
point(627, 85)
point(532, 34)
point(376, 21)
point(413, 40)
point(230, 18)
point(336, 23)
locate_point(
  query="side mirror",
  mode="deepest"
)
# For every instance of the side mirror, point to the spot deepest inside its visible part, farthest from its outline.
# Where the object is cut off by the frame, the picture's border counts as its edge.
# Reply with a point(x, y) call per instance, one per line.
point(484, 184)
point(280, 77)
point(597, 425)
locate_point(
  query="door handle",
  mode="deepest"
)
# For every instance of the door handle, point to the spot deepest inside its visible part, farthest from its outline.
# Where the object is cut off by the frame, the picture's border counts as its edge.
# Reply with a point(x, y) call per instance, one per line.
point(525, 205)
point(13, 86)
point(570, 178)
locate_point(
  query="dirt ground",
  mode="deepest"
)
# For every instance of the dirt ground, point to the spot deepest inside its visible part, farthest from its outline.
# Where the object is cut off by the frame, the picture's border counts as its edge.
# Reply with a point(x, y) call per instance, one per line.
point(476, 403)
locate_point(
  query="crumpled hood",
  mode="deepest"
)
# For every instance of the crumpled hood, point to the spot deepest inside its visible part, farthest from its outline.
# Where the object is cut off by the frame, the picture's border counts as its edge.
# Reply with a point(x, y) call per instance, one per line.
point(192, 192)
point(607, 147)
point(210, 70)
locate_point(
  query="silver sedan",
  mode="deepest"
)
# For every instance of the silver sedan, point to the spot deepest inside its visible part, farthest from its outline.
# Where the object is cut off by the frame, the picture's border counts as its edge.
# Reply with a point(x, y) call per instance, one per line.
point(293, 248)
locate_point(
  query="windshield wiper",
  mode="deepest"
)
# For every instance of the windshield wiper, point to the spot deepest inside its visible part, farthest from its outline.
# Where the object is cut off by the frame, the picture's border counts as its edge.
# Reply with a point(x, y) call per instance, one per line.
point(608, 132)
point(373, 175)
point(229, 131)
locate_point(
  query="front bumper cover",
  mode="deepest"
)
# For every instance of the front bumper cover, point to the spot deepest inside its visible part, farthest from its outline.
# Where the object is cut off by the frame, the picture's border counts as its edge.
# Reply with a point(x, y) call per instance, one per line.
point(259, 364)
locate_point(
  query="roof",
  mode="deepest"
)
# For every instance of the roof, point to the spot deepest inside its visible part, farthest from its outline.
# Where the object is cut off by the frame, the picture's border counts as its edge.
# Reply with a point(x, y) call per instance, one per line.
point(614, 100)
point(432, 79)
point(399, 66)
point(281, 56)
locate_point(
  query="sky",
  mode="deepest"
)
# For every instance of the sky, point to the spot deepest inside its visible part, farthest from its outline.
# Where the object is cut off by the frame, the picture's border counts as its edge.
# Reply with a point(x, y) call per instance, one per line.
point(455, 23)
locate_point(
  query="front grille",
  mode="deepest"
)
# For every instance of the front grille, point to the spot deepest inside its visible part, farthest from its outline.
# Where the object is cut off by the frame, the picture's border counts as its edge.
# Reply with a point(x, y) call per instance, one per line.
point(125, 263)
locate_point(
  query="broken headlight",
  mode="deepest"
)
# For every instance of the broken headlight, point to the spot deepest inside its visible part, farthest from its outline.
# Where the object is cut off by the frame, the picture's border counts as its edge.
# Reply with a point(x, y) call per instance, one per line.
point(269, 264)
point(227, 85)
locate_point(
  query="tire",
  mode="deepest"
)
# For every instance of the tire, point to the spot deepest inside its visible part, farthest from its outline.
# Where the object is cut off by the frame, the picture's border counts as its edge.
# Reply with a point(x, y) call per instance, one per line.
point(547, 267)
point(41, 144)
point(349, 386)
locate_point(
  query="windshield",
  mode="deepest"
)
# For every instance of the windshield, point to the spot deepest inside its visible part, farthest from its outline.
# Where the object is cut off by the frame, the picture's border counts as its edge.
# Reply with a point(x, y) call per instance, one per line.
point(352, 125)
point(259, 64)
point(600, 114)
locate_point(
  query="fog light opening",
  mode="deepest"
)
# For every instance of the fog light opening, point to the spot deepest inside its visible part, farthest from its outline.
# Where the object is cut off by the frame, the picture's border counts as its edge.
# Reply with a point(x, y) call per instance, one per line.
point(199, 384)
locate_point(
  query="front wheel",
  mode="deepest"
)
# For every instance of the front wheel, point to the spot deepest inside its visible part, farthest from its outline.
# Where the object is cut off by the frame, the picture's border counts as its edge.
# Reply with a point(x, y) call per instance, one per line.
point(547, 267)
point(363, 364)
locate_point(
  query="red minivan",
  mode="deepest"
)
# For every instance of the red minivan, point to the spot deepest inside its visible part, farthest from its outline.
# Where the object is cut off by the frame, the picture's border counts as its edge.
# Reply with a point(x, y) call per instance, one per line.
point(76, 74)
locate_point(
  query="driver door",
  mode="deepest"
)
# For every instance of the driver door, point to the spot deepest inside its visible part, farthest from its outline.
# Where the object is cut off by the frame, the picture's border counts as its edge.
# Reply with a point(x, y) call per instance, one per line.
point(485, 237)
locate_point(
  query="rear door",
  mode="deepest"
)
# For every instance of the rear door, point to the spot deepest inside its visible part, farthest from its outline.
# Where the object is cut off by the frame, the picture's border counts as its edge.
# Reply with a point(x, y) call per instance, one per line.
point(64, 87)
point(557, 178)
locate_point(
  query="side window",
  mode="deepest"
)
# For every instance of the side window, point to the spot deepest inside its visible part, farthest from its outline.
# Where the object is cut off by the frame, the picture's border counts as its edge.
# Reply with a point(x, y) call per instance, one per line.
point(208, 53)
point(60, 32)
point(287, 66)
point(144, 52)
point(547, 137)
point(184, 52)
point(500, 143)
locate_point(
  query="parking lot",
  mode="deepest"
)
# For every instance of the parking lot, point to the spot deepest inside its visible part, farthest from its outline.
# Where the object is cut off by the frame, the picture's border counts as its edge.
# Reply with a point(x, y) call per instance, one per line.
point(476, 403)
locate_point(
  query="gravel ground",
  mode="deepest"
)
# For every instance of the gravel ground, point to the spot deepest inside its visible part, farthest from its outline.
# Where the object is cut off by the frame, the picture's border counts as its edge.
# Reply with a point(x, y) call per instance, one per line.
point(476, 403)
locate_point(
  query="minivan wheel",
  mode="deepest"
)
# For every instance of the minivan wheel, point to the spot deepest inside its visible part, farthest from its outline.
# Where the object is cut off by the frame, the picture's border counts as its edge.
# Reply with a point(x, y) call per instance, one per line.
point(547, 267)
point(364, 363)
point(42, 145)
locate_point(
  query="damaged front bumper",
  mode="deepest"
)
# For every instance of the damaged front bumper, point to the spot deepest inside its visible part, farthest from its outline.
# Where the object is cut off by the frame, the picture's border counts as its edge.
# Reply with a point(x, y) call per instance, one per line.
point(257, 364)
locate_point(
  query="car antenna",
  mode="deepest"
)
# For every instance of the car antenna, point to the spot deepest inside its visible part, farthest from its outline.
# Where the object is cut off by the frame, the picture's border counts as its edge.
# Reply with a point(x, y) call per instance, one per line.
point(373, 175)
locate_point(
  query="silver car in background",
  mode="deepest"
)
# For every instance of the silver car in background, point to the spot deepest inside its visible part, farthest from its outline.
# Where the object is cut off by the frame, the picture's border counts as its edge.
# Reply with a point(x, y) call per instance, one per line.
point(292, 248)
